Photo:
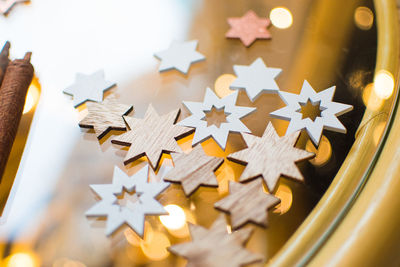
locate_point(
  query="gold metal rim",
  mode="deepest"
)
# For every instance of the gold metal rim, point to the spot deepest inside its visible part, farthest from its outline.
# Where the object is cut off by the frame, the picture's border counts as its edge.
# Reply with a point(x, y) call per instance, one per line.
point(324, 230)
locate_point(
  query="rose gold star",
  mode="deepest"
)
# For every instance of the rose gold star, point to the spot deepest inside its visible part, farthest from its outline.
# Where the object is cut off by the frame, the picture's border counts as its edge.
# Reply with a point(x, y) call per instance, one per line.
point(249, 28)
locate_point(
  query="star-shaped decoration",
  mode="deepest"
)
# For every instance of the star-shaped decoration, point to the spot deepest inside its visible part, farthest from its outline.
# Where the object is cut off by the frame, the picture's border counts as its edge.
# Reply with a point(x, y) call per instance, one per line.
point(219, 134)
point(151, 136)
point(128, 200)
point(255, 79)
point(247, 203)
point(105, 116)
point(88, 87)
point(249, 28)
point(271, 156)
point(329, 111)
point(215, 247)
point(179, 56)
point(7, 5)
point(194, 169)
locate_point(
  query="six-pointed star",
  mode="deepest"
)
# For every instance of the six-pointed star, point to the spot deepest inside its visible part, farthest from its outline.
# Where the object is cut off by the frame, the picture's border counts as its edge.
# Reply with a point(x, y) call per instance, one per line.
point(329, 111)
point(151, 136)
point(88, 87)
point(219, 134)
point(247, 203)
point(141, 203)
point(271, 156)
point(255, 79)
point(105, 116)
point(179, 56)
point(194, 169)
point(7, 5)
point(215, 247)
point(249, 28)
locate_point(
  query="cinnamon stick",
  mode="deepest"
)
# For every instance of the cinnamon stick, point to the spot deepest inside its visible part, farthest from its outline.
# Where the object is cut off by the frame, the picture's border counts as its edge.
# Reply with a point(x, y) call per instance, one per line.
point(4, 60)
point(17, 78)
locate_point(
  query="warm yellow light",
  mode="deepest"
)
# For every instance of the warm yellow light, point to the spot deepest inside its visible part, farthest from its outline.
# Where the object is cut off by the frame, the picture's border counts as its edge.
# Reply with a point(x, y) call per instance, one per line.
point(322, 154)
point(32, 97)
point(383, 84)
point(370, 99)
point(284, 193)
point(363, 18)
point(281, 17)
point(21, 260)
point(222, 84)
point(155, 246)
point(176, 218)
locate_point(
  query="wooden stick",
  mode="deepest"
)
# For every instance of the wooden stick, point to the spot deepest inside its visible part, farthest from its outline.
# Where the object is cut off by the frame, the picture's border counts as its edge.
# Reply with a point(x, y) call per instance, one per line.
point(4, 60)
point(17, 78)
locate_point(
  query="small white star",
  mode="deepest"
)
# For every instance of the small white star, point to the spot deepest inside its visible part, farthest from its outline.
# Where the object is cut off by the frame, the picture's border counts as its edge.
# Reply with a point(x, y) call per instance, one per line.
point(88, 87)
point(256, 79)
point(141, 202)
point(219, 134)
point(328, 109)
point(179, 56)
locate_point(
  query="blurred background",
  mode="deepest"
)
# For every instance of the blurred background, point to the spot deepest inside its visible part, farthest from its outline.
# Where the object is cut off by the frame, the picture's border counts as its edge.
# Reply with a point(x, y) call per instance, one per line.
point(46, 190)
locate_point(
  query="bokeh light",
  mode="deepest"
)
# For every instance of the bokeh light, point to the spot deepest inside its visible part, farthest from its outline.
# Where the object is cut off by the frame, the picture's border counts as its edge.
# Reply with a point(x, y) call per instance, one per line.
point(370, 99)
point(322, 154)
point(281, 17)
point(32, 97)
point(155, 246)
point(284, 193)
point(222, 84)
point(21, 260)
point(363, 18)
point(176, 218)
point(383, 84)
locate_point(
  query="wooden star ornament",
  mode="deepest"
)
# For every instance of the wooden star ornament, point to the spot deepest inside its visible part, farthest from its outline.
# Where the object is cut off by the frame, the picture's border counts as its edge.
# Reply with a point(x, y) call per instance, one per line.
point(215, 247)
point(194, 169)
point(249, 28)
point(247, 203)
point(271, 156)
point(88, 88)
point(105, 116)
point(152, 136)
point(128, 200)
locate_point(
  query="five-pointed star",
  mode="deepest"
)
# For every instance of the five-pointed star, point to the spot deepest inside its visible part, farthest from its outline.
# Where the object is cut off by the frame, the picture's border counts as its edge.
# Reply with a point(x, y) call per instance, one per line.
point(219, 134)
point(88, 87)
point(7, 5)
point(194, 169)
point(329, 111)
point(271, 156)
point(255, 79)
point(136, 208)
point(151, 136)
point(105, 116)
point(179, 56)
point(247, 203)
point(215, 247)
point(249, 28)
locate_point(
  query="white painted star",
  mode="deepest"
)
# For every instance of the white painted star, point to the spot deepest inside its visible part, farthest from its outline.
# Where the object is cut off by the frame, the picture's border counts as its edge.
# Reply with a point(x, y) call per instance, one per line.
point(256, 79)
point(88, 87)
point(327, 119)
point(141, 200)
point(179, 56)
point(219, 134)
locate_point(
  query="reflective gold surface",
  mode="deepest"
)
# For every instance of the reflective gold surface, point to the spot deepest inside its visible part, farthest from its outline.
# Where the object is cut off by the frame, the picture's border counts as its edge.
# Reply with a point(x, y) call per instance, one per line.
point(44, 218)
